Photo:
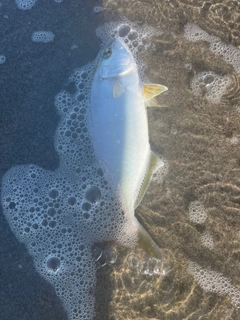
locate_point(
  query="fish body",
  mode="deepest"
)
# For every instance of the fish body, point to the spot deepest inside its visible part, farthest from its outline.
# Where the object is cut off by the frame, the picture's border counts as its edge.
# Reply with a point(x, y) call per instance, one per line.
point(120, 126)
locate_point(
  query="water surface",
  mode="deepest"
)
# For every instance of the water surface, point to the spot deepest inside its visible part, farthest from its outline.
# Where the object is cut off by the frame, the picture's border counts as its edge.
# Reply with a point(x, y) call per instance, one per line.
point(199, 140)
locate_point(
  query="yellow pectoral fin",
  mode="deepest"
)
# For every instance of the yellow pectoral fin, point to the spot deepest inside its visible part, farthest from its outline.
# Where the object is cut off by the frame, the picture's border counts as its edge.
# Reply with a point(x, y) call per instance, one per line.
point(152, 90)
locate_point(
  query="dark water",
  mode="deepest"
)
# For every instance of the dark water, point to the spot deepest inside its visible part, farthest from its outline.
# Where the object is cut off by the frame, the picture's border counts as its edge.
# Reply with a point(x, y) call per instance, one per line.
point(30, 79)
point(195, 136)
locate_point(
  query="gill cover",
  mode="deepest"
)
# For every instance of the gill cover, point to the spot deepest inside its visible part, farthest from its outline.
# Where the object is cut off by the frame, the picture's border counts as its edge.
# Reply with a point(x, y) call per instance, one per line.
point(114, 65)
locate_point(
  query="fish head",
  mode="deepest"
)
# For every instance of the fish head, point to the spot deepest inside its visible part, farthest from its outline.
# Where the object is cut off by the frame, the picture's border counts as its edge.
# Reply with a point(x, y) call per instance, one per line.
point(115, 61)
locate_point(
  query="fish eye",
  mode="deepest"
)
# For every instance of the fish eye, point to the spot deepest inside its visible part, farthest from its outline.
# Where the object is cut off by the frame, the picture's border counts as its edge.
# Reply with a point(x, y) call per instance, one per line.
point(107, 53)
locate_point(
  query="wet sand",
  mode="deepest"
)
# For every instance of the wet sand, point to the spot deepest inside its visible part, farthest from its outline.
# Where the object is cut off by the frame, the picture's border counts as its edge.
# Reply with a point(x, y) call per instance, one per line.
point(196, 139)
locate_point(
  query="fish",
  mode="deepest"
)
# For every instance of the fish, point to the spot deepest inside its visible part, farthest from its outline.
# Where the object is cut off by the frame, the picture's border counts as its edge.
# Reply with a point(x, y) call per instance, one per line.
point(120, 132)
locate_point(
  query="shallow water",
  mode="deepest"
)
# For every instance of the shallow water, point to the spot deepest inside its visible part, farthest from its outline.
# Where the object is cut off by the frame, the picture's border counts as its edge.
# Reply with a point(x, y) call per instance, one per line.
point(199, 140)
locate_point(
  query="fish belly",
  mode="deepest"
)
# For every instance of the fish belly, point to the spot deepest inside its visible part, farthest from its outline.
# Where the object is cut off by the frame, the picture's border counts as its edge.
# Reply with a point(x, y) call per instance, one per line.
point(120, 137)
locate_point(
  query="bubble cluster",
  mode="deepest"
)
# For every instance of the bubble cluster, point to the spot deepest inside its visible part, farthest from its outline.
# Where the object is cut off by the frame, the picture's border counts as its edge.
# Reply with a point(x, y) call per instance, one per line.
point(234, 140)
point(197, 213)
point(229, 53)
point(98, 9)
point(25, 4)
point(2, 59)
point(42, 36)
point(207, 240)
point(104, 256)
point(193, 33)
point(210, 85)
point(61, 215)
point(212, 281)
point(148, 266)
point(161, 170)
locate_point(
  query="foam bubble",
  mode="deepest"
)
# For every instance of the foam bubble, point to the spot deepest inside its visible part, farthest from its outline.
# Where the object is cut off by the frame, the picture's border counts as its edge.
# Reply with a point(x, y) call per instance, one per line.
point(147, 266)
point(93, 194)
point(207, 240)
point(110, 255)
point(188, 66)
point(25, 4)
point(53, 264)
point(197, 213)
point(215, 282)
point(98, 9)
point(234, 140)
point(229, 53)
point(2, 59)
point(104, 256)
point(161, 170)
point(193, 33)
point(42, 36)
point(210, 85)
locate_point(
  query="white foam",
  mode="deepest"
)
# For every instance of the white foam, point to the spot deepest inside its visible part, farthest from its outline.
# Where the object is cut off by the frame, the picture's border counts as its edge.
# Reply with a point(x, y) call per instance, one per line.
point(42, 36)
point(207, 240)
point(215, 282)
point(229, 53)
point(234, 140)
point(210, 85)
point(25, 4)
point(2, 59)
point(161, 170)
point(197, 213)
point(98, 9)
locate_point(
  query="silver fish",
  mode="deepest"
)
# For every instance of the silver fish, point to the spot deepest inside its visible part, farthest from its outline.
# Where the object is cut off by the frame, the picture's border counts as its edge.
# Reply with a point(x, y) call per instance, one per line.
point(120, 132)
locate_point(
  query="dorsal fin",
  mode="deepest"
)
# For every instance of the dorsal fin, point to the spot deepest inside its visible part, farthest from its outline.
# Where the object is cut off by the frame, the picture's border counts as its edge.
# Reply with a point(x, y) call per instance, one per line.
point(153, 163)
point(152, 90)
